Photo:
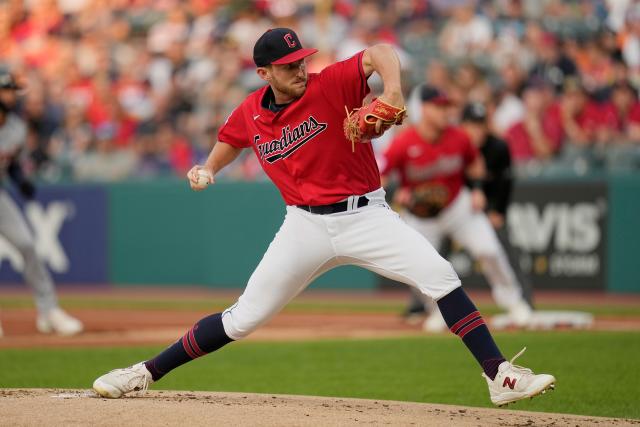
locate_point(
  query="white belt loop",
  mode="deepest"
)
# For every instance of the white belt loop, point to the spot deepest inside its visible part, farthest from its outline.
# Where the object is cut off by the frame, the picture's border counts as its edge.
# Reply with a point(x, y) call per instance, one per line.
point(355, 202)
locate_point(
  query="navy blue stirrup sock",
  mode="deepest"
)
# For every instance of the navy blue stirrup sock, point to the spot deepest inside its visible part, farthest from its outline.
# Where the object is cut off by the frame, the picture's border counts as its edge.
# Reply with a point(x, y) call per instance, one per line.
point(464, 320)
point(205, 336)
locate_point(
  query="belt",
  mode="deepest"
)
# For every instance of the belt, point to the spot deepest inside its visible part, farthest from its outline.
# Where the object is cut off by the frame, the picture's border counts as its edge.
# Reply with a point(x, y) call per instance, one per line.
point(333, 208)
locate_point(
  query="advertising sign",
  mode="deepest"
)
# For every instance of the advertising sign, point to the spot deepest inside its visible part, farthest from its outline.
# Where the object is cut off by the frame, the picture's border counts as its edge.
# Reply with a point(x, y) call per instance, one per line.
point(69, 225)
point(557, 233)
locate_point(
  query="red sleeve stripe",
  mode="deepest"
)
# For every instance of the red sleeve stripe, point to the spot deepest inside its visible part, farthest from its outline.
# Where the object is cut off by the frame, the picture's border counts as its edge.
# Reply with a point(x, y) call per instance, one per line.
point(460, 323)
point(471, 327)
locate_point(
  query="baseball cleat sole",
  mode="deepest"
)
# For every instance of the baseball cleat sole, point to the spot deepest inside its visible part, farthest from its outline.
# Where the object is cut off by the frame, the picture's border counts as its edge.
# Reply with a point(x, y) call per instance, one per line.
point(537, 392)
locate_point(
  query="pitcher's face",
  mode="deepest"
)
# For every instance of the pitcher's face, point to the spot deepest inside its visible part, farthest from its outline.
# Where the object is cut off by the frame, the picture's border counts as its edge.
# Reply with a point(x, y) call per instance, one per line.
point(289, 80)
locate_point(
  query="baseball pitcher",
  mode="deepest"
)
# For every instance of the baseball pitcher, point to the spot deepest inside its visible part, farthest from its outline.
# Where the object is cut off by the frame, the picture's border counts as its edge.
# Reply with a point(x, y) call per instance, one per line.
point(321, 160)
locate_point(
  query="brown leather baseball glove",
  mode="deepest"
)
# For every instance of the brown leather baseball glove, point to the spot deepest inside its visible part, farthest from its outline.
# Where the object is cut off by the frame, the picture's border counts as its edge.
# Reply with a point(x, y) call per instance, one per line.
point(370, 121)
point(428, 200)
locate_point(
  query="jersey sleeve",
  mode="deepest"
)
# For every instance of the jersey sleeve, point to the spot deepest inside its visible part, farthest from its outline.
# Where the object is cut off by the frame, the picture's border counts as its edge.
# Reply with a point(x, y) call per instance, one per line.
point(234, 130)
point(344, 83)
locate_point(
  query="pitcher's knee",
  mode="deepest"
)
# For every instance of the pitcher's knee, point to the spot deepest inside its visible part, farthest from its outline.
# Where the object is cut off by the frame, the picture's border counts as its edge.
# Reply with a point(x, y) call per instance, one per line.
point(439, 280)
point(238, 324)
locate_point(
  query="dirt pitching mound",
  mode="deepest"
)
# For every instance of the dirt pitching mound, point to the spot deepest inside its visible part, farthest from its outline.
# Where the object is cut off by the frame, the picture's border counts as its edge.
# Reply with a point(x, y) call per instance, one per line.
point(58, 407)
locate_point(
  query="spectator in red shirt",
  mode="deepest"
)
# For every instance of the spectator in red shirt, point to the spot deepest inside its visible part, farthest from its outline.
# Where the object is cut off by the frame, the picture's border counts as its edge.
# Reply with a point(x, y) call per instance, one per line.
point(578, 114)
point(621, 115)
point(537, 137)
point(580, 121)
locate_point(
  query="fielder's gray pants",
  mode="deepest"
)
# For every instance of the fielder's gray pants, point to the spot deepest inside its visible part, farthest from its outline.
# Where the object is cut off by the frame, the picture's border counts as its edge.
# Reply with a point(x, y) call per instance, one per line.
point(13, 227)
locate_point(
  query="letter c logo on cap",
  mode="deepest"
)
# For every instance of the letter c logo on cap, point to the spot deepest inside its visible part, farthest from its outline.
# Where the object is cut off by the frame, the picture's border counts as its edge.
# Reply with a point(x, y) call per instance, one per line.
point(290, 41)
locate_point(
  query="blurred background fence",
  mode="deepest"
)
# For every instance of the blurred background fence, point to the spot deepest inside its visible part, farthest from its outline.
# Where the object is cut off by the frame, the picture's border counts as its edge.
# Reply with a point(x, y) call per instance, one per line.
point(568, 233)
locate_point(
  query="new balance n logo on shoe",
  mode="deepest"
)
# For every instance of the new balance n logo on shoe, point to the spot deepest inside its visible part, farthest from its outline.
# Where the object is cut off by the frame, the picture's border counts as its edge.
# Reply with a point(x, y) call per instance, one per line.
point(509, 382)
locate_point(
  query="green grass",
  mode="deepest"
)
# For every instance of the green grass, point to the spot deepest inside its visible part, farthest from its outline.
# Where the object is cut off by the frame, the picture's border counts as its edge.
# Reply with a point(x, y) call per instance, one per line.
point(316, 305)
point(597, 372)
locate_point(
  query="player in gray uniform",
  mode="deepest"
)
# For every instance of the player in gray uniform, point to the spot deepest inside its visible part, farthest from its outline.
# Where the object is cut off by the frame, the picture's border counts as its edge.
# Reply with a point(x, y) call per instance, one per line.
point(13, 226)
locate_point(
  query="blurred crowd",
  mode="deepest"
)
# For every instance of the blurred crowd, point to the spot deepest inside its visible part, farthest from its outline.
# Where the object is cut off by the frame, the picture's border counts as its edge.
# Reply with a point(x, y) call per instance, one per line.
point(118, 89)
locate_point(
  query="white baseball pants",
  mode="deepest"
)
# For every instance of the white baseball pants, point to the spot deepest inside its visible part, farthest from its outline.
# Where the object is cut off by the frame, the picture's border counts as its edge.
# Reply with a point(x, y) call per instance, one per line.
point(14, 228)
point(308, 245)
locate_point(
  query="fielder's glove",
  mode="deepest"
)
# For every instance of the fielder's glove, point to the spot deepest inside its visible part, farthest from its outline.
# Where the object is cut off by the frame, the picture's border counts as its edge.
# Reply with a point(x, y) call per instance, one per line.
point(428, 200)
point(371, 121)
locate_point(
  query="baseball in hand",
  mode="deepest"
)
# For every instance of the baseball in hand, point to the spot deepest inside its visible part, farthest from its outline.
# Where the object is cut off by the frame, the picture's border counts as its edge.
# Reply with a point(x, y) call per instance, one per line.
point(199, 178)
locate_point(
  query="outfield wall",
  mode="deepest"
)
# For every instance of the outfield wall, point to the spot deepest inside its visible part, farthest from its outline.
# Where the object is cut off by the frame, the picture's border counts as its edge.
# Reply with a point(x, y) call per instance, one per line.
point(566, 234)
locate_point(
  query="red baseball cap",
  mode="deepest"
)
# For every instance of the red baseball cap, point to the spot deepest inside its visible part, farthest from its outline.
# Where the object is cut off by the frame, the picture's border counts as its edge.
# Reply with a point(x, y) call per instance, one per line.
point(279, 46)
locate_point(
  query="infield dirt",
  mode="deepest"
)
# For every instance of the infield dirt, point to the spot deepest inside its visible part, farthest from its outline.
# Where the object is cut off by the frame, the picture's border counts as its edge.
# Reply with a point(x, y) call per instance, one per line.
point(57, 407)
point(133, 326)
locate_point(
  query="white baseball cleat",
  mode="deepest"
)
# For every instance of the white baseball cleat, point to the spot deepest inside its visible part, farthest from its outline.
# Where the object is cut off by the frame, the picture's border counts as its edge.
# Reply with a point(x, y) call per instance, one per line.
point(434, 323)
point(513, 383)
point(119, 382)
point(58, 321)
point(520, 314)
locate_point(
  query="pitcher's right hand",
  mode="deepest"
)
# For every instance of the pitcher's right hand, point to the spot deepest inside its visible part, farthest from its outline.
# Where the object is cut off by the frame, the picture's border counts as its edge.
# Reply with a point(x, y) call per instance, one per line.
point(199, 178)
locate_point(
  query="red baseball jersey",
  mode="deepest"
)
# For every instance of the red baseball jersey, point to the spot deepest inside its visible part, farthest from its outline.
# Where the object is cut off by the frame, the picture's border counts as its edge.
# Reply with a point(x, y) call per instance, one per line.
point(420, 162)
point(302, 148)
point(611, 118)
